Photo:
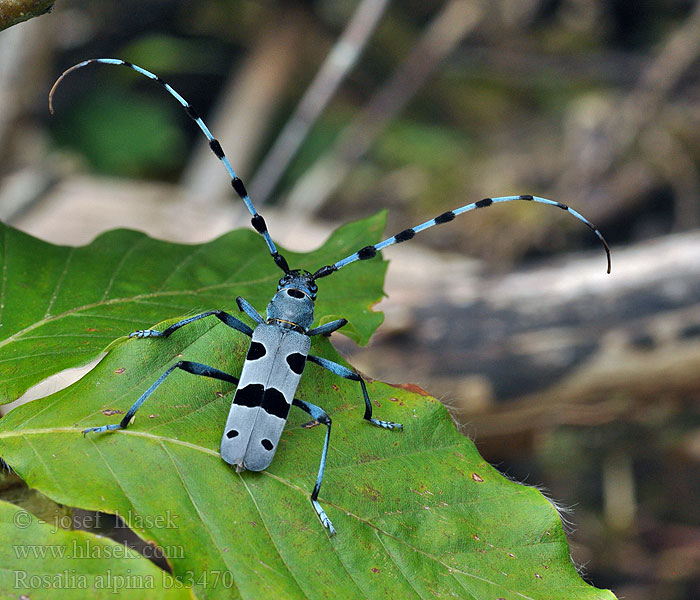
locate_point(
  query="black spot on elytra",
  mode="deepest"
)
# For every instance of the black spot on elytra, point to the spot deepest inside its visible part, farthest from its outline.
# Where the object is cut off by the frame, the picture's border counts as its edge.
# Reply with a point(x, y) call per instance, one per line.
point(267, 444)
point(256, 351)
point(296, 362)
point(250, 395)
point(274, 403)
point(231, 433)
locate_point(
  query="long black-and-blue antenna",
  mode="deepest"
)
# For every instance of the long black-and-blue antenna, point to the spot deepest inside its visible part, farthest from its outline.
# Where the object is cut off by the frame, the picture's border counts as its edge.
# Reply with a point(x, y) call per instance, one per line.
point(446, 217)
point(257, 221)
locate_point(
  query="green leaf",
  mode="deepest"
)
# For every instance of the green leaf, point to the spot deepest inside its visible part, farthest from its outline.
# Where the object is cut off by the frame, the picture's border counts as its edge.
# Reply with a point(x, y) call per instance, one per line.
point(60, 306)
point(419, 513)
point(73, 564)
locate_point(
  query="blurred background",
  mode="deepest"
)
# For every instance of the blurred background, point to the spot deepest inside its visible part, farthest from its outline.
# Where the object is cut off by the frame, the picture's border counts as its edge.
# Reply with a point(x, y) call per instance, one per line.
point(585, 384)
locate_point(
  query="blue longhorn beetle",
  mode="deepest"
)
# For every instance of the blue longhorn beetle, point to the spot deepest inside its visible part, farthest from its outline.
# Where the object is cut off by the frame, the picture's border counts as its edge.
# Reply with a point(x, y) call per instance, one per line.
point(279, 347)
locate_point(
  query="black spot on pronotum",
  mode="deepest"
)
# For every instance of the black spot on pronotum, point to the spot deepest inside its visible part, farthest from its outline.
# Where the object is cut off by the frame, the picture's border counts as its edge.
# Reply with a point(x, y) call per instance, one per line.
point(295, 293)
point(216, 148)
point(237, 185)
point(484, 203)
point(250, 395)
point(256, 351)
point(231, 433)
point(367, 252)
point(267, 444)
point(445, 217)
point(296, 362)
point(405, 235)
point(274, 403)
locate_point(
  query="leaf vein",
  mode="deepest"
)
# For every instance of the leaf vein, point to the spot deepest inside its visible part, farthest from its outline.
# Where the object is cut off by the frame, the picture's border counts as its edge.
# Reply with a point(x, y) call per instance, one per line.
point(393, 560)
point(269, 534)
point(5, 245)
point(195, 506)
point(118, 268)
point(59, 283)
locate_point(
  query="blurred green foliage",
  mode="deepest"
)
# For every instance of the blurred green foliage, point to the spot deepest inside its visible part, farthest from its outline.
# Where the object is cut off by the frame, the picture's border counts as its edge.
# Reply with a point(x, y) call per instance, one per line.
point(124, 133)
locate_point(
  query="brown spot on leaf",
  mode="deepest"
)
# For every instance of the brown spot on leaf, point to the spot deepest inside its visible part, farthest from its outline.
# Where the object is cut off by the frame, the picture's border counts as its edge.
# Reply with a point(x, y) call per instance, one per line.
point(119, 371)
point(410, 387)
point(108, 412)
point(478, 478)
point(370, 493)
point(375, 570)
point(91, 329)
point(310, 424)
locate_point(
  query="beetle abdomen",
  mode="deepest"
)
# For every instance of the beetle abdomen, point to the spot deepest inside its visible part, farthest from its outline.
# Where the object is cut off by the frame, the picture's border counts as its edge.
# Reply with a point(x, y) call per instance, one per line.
point(270, 376)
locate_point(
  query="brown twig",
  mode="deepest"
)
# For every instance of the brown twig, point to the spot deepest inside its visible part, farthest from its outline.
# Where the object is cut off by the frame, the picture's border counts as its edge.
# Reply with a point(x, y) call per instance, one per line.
point(632, 116)
point(442, 35)
point(335, 68)
point(16, 11)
